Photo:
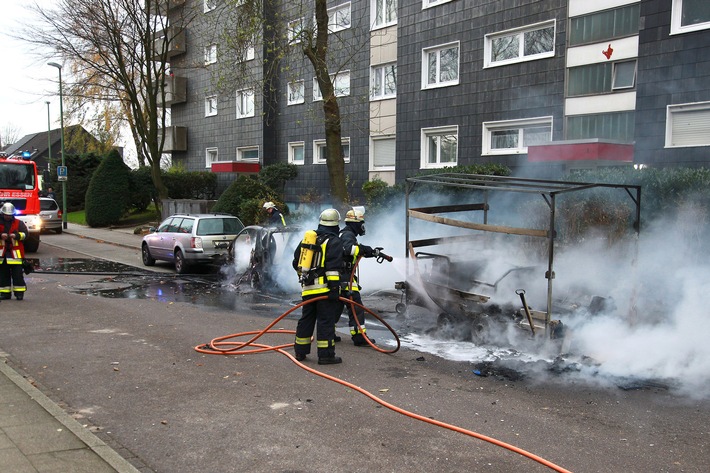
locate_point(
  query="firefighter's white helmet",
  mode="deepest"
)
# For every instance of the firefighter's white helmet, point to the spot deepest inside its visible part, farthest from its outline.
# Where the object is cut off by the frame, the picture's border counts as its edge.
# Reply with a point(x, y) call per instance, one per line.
point(7, 209)
point(269, 205)
point(329, 218)
point(355, 216)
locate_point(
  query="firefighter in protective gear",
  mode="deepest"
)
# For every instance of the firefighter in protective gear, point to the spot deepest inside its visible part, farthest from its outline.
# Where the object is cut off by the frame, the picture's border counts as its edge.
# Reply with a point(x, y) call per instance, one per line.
point(275, 217)
point(354, 227)
point(12, 253)
point(323, 279)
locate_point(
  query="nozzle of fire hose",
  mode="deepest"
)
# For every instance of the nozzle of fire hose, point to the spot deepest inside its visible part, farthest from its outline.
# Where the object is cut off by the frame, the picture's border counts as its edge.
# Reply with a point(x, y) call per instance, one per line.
point(380, 256)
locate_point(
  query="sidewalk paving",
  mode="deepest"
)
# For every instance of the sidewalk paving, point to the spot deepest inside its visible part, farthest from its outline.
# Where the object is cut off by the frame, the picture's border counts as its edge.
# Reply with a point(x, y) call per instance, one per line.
point(36, 435)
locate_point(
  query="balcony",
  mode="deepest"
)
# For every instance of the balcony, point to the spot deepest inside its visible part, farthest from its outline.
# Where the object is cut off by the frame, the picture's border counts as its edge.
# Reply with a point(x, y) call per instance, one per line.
point(175, 46)
point(175, 90)
point(175, 139)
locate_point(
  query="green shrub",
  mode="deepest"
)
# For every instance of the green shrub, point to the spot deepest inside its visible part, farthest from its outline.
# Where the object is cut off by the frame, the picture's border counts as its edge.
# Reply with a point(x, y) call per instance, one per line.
point(244, 198)
point(183, 184)
point(142, 189)
point(275, 176)
point(108, 194)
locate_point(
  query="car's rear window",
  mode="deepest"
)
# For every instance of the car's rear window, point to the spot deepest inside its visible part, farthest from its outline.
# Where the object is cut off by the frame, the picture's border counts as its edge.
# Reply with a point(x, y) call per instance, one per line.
point(47, 205)
point(218, 226)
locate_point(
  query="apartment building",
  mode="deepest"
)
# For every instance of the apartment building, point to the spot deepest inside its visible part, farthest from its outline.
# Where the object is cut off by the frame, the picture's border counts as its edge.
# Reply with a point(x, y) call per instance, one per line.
point(540, 87)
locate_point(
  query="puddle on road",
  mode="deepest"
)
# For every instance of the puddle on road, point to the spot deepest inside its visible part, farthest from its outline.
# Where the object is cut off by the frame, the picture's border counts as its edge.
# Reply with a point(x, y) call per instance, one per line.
point(209, 288)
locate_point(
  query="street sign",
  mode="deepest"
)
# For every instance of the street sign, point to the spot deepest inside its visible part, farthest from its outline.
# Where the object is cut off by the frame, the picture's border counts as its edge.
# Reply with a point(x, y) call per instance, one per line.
point(62, 173)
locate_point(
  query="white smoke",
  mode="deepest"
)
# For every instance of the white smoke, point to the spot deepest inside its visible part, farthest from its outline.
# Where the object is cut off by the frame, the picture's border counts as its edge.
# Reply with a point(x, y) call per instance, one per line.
point(654, 327)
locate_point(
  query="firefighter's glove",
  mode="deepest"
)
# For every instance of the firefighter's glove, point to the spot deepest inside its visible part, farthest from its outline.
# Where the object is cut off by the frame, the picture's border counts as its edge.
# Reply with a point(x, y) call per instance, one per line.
point(346, 293)
point(368, 251)
point(334, 293)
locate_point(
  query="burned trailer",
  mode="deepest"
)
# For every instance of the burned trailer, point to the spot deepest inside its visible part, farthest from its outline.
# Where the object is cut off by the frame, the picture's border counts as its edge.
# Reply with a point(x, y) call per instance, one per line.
point(455, 262)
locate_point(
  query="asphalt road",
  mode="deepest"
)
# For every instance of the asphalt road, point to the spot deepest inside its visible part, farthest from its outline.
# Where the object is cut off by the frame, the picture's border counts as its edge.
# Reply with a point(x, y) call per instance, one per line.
point(127, 369)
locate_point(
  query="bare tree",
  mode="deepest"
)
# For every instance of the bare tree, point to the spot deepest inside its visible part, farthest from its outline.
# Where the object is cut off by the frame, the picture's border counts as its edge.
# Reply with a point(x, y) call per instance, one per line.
point(9, 134)
point(245, 22)
point(119, 54)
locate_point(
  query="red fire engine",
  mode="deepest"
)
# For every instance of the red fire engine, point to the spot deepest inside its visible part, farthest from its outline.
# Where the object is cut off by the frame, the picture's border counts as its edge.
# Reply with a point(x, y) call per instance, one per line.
point(19, 185)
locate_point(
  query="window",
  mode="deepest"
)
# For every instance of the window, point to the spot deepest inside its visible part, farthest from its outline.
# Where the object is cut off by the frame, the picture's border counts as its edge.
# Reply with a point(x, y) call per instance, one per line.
point(209, 5)
point(688, 125)
point(248, 153)
point(211, 156)
point(604, 25)
point(249, 54)
point(383, 150)
point(341, 85)
point(211, 106)
point(433, 3)
point(690, 15)
point(624, 75)
point(245, 103)
point(439, 147)
point(339, 18)
point(514, 136)
point(384, 12)
point(522, 44)
point(210, 54)
point(440, 66)
point(320, 152)
point(296, 152)
point(611, 126)
point(383, 81)
point(601, 78)
point(295, 30)
point(296, 91)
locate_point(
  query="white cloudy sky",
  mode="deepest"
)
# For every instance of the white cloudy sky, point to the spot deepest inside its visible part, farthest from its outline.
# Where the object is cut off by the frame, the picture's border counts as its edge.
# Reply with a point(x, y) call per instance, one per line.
point(26, 81)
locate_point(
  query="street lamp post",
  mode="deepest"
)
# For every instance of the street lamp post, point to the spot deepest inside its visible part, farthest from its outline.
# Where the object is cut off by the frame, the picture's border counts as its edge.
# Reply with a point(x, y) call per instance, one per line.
point(61, 119)
point(49, 139)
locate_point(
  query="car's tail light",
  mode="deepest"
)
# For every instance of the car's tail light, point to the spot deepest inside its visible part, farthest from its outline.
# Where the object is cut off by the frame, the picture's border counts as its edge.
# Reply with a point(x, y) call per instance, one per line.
point(196, 242)
point(59, 213)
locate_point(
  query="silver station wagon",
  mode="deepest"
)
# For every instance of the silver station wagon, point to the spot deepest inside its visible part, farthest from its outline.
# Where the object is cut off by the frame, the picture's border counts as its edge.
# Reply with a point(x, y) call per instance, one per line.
point(190, 239)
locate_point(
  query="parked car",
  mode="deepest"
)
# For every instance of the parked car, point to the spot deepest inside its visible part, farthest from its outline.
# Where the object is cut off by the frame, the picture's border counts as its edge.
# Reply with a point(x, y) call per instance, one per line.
point(50, 214)
point(189, 239)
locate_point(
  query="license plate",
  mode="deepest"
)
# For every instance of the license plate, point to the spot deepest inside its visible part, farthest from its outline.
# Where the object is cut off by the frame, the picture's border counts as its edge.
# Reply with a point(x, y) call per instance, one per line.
point(221, 244)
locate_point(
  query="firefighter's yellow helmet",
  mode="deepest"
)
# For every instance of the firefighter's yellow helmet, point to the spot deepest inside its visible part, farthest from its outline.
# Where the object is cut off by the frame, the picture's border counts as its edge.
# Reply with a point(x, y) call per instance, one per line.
point(354, 216)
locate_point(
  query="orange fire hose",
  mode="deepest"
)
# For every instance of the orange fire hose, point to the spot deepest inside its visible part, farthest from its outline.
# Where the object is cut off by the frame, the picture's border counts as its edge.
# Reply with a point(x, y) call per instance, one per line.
point(223, 346)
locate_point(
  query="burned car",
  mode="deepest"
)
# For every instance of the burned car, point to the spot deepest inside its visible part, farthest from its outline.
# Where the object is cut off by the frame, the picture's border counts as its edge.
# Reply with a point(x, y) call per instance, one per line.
point(260, 258)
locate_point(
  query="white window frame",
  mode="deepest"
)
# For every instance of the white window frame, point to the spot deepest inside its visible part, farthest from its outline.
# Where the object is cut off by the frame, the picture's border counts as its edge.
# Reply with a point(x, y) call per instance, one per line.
point(292, 146)
point(211, 156)
point(506, 125)
point(379, 71)
point(318, 145)
point(294, 30)
point(211, 106)
point(425, 65)
point(432, 3)
point(341, 85)
point(249, 54)
point(615, 74)
point(243, 149)
point(209, 5)
point(339, 18)
point(426, 133)
point(374, 139)
point(382, 6)
point(520, 32)
point(296, 92)
point(248, 96)
point(696, 131)
point(210, 54)
point(677, 17)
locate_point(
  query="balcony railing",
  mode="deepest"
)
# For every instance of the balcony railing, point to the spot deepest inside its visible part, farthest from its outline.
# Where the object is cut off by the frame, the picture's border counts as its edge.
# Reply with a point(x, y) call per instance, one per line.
point(175, 90)
point(175, 39)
